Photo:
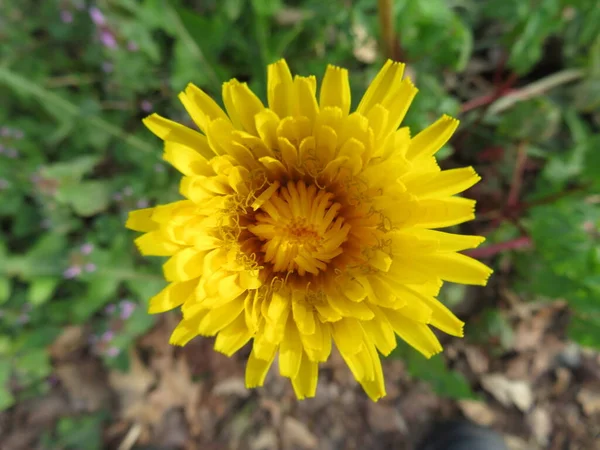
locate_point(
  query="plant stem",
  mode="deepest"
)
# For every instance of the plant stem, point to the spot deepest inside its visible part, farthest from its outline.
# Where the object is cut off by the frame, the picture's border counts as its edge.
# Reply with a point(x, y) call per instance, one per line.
point(386, 23)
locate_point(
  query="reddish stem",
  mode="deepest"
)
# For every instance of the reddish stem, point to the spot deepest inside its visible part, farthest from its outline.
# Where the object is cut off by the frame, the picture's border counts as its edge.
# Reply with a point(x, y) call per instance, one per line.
point(491, 250)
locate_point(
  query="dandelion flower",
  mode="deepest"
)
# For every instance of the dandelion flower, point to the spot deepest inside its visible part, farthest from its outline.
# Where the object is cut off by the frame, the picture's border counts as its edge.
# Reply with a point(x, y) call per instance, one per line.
point(305, 225)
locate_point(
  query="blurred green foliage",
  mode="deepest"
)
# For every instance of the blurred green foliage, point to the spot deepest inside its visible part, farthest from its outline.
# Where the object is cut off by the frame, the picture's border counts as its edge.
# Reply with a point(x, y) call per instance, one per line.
point(74, 157)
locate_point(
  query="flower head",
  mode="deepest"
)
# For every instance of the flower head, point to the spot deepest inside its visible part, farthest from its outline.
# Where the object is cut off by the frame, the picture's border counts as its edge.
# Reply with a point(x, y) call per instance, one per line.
point(305, 225)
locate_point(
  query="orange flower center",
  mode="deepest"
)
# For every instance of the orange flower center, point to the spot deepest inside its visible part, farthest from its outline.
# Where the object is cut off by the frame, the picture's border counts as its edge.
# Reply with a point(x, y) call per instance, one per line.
point(301, 229)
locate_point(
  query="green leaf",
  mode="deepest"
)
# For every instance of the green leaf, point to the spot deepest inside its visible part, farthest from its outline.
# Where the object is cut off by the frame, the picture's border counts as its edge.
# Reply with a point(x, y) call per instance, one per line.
point(6, 397)
point(233, 8)
point(32, 366)
point(445, 382)
point(100, 291)
point(72, 170)
point(266, 7)
point(87, 198)
point(41, 289)
point(585, 330)
point(5, 288)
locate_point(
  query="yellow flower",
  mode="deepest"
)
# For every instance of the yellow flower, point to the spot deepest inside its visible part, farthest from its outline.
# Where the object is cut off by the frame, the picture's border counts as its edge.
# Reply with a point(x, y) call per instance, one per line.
point(304, 224)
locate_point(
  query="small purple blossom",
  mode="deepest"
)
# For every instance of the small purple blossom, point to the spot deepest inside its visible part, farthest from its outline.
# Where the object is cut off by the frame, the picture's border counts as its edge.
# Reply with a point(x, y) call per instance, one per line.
point(66, 16)
point(90, 267)
point(127, 191)
point(97, 16)
point(110, 309)
point(112, 352)
point(12, 153)
point(142, 203)
point(146, 106)
point(107, 336)
point(127, 308)
point(108, 39)
point(72, 272)
point(86, 248)
point(132, 46)
point(107, 67)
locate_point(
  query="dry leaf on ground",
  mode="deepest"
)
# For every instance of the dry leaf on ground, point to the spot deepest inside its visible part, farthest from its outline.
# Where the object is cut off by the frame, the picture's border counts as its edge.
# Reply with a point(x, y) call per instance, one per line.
point(296, 434)
point(478, 412)
point(508, 392)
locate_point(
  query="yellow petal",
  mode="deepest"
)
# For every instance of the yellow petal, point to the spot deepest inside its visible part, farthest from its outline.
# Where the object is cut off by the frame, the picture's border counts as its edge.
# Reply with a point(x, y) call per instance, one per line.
point(445, 183)
point(374, 388)
point(184, 265)
point(247, 105)
point(335, 89)
point(200, 106)
point(303, 315)
point(186, 159)
point(141, 220)
point(183, 333)
point(156, 244)
point(305, 382)
point(280, 305)
point(440, 213)
point(318, 345)
point(280, 88)
point(398, 102)
point(305, 94)
point(416, 334)
point(233, 337)
point(456, 268)
point(432, 138)
point(380, 332)
point(172, 296)
point(348, 308)
point(168, 130)
point(256, 370)
point(290, 351)
point(388, 77)
point(445, 242)
point(348, 336)
point(218, 318)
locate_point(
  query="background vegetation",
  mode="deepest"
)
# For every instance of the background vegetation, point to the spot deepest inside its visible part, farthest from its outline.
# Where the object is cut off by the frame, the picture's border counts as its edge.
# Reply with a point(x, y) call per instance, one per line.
point(77, 77)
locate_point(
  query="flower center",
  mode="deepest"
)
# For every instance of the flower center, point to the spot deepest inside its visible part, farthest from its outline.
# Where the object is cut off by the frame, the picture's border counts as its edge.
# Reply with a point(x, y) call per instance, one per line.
point(300, 228)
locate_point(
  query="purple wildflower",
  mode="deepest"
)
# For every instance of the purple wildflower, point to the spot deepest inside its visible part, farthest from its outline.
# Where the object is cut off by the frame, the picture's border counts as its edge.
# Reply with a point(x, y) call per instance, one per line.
point(146, 106)
point(112, 352)
point(66, 16)
point(127, 191)
point(97, 16)
point(108, 39)
point(127, 308)
point(110, 309)
point(107, 336)
point(90, 267)
point(142, 203)
point(72, 272)
point(132, 46)
point(86, 248)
